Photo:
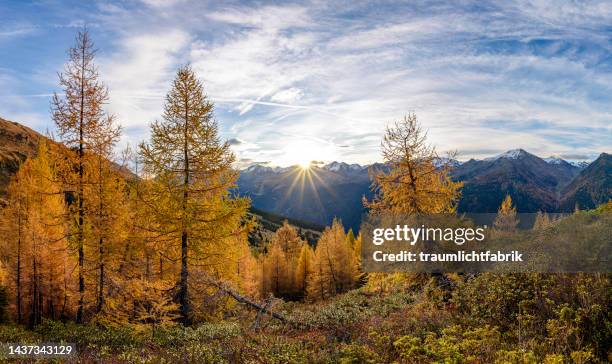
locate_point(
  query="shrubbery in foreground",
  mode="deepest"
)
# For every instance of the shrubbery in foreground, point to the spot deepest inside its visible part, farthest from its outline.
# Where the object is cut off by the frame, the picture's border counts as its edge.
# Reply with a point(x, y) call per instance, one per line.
point(512, 318)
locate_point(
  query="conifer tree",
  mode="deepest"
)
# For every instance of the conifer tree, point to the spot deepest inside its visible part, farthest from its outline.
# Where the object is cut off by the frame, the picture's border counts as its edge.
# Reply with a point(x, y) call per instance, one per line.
point(39, 240)
point(334, 268)
point(192, 172)
point(506, 220)
point(304, 269)
point(542, 221)
point(281, 262)
point(82, 122)
point(417, 181)
point(248, 272)
point(14, 219)
point(274, 270)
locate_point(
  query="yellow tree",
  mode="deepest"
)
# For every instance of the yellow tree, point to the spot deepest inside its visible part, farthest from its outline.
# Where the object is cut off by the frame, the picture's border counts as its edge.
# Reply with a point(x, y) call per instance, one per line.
point(542, 221)
point(192, 171)
point(247, 270)
point(41, 260)
point(274, 270)
point(417, 180)
point(13, 227)
point(305, 266)
point(281, 262)
point(506, 220)
point(109, 218)
point(334, 268)
point(81, 120)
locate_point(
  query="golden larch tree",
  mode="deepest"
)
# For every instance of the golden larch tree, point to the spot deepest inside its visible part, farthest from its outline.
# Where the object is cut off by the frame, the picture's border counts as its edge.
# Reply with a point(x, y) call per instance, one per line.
point(506, 220)
point(304, 269)
point(418, 180)
point(82, 122)
point(192, 172)
point(38, 241)
point(334, 268)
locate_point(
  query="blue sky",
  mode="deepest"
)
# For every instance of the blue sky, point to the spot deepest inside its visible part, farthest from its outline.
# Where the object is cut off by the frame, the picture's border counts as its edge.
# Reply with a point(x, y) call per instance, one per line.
point(322, 79)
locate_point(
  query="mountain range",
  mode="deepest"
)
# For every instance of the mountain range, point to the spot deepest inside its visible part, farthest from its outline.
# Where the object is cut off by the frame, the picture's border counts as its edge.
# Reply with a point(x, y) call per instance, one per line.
point(324, 191)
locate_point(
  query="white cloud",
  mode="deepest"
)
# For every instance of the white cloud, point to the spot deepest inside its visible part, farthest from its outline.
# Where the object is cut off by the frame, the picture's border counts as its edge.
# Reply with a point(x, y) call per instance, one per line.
point(138, 75)
point(288, 95)
point(513, 74)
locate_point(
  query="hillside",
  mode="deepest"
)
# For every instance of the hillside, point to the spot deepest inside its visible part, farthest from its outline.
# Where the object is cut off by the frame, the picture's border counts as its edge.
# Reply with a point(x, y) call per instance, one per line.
point(592, 187)
point(17, 143)
point(533, 183)
point(268, 223)
point(318, 194)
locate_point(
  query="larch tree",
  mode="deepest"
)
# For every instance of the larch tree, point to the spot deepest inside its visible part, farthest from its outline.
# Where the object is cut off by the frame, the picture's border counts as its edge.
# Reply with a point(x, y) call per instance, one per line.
point(281, 262)
point(81, 121)
point(192, 172)
point(417, 180)
point(37, 203)
point(304, 269)
point(14, 219)
point(106, 194)
point(506, 220)
point(247, 271)
point(274, 271)
point(334, 267)
point(542, 221)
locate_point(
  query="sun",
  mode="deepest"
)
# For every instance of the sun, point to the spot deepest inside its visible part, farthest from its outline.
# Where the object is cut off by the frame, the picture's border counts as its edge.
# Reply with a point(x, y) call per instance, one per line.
point(304, 164)
point(303, 152)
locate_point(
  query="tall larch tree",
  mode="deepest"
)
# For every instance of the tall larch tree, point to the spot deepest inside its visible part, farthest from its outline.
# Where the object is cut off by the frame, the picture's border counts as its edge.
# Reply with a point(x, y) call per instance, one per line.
point(417, 180)
point(81, 120)
point(193, 174)
point(13, 238)
point(106, 193)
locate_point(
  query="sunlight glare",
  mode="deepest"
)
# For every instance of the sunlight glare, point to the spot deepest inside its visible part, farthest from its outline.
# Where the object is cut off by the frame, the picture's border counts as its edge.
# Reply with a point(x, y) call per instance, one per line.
point(304, 152)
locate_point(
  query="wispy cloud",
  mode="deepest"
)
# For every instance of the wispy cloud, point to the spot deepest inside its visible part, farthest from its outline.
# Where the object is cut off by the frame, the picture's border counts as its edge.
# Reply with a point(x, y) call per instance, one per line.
point(328, 76)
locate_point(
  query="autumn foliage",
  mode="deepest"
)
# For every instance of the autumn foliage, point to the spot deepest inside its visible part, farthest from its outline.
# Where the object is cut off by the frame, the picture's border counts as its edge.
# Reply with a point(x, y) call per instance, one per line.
point(144, 257)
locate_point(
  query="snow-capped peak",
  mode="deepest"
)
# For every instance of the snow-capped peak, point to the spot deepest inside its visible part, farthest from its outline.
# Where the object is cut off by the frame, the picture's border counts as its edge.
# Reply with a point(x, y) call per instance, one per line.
point(511, 154)
point(341, 167)
point(579, 164)
point(554, 160)
point(258, 168)
point(445, 161)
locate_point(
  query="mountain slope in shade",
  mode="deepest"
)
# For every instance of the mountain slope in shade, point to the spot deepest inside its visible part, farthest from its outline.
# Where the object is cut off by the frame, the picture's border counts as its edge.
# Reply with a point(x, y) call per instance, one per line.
point(532, 183)
point(317, 194)
point(592, 187)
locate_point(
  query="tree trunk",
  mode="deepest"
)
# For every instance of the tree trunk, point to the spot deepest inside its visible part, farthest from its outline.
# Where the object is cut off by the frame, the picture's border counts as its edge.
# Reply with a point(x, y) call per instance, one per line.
point(79, 317)
point(101, 281)
point(101, 240)
point(184, 288)
point(18, 278)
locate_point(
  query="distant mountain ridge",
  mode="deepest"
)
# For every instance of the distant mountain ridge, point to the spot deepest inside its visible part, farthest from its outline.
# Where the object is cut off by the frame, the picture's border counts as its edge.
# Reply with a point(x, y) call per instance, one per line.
point(534, 183)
